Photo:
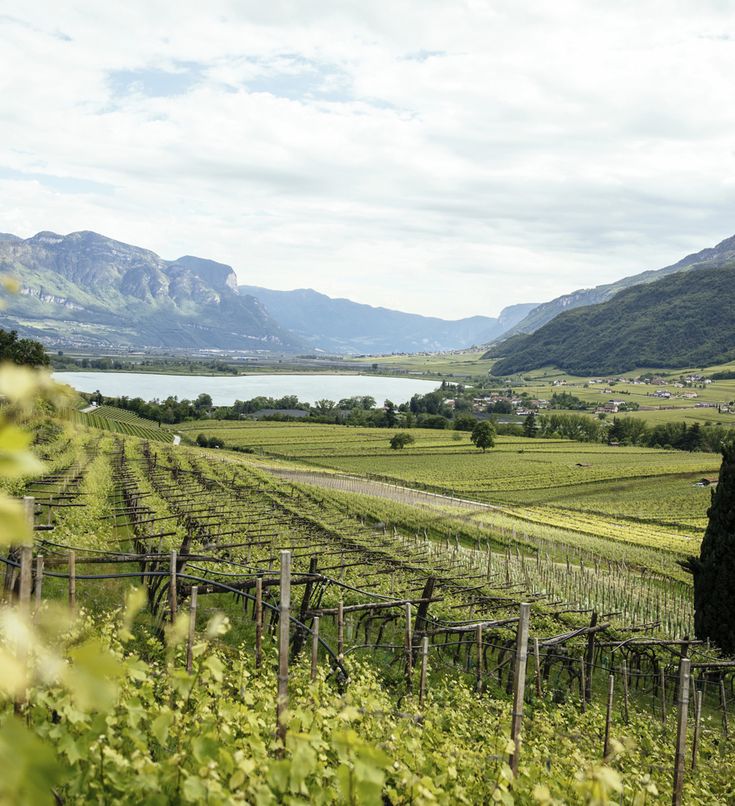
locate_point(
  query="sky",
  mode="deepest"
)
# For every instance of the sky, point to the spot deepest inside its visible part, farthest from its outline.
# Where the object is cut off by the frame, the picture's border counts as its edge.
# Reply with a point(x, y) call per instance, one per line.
point(446, 158)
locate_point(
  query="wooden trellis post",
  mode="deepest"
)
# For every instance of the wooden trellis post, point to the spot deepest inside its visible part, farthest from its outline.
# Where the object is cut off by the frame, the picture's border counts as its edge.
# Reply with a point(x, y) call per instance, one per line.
point(662, 692)
point(519, 683)
point(72, 581)
point(192, 628)
point(172, 594)
point(608, 716)
point(697, 726)
point(424, 661)
point(723, 705)
point(258, 622)
point(314, 647)
point(681, 731)
point(478, 682)
point(340, 630)
point(408, 642)
point(284, 614)
point(38, 582)
point(537, 661)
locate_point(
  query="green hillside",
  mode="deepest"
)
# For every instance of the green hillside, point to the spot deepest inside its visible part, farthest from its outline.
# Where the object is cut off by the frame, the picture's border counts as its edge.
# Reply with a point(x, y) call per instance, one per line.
point(687, 319)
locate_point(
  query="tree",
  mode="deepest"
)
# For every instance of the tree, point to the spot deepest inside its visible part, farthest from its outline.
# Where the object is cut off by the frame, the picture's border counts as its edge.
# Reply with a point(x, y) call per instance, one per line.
point(530, 426)
point(714, 569)
point(483, 435)
point(390, 413)
point(21, 351)
point(464, 422)
point(400, 440)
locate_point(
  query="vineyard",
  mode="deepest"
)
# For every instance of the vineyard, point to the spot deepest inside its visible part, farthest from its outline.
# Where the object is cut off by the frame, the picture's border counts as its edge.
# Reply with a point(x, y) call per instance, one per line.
point(290, 641)
point(109, 418)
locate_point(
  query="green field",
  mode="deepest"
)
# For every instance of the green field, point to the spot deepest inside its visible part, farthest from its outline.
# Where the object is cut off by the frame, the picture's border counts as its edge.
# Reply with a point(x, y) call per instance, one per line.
point(589, 494)
point(120, 421)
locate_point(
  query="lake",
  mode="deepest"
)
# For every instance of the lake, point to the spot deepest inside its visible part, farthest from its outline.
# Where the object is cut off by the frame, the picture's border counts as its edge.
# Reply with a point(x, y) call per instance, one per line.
point(225, 390)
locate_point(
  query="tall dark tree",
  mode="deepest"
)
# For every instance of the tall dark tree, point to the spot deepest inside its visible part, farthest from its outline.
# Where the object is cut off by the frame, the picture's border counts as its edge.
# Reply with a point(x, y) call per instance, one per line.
point(714, 569)
point(21, 351)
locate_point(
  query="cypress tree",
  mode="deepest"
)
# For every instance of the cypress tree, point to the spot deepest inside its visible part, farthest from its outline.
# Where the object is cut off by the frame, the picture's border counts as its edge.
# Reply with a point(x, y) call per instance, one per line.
point(714, 570)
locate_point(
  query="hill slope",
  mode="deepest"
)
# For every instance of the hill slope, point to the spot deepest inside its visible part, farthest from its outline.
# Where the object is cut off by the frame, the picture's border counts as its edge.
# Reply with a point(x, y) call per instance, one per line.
point(86, 290)
point(687, 319)
point(720, 255)
point(343, 326)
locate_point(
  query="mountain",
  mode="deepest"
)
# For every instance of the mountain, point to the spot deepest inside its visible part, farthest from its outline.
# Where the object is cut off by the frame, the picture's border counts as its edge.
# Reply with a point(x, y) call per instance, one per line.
point(683, 320)
point(88, 291)
point(719, 255)
point(343, 326)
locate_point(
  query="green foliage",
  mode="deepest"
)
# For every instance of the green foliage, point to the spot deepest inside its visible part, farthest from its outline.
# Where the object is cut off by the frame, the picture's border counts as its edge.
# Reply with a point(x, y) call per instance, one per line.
point(483, 435)
point(714, 571)
point(400, 440)
point(684, 320)
point(21, 351)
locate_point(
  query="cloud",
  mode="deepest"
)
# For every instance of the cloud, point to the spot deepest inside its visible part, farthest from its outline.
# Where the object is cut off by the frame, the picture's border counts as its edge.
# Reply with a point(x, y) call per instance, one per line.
point(445, 158)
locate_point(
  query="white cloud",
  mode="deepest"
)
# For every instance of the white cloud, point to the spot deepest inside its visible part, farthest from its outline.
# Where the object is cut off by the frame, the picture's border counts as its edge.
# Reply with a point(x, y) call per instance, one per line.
point(447, 158)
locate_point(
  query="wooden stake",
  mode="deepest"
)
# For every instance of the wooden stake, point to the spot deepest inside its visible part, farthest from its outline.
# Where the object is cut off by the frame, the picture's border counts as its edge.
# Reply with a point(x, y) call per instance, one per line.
point(537, 660)
point(697, 726)
point(589, 659)
point(26, 571)
point(192, 628)
point(608, 717)
point(340, 630)
point(662, 691)
point(519, 683)
point(478, 683)
point(314, 647)
point(172, 593)
point(72, 581)
point(723, 705)
point(38, 582)
point(258, 622)
point(424, 661)
point(284, 613)
point(681, 731)
point(408, 643)
point(624, 672)
point(583, 686)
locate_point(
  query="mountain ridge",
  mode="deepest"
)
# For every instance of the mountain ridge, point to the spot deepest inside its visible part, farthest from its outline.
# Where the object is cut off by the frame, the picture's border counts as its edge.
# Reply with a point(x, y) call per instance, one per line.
point(719, 254)
point(684, 319)
point(356, 327)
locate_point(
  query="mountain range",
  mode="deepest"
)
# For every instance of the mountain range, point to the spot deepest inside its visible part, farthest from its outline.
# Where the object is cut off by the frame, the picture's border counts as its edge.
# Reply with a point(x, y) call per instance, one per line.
point(343, 326)
point(686, 319)
point(719, 255)
point(87, 291)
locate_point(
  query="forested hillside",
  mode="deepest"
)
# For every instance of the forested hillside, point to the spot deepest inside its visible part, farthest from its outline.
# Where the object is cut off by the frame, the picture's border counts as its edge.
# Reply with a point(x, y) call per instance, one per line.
point(687, 319)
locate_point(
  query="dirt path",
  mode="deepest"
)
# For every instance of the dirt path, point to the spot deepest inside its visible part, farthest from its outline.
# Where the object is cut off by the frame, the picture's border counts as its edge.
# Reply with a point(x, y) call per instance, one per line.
point(381, 489)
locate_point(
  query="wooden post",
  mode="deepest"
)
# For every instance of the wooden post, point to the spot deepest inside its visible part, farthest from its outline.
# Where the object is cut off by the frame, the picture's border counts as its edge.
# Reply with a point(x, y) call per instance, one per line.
point(681, 732)
point(537, 660)
point(314, 647)
point(72, 581)
point(340, 630)
point(583, 686)
point(192, 628)
point(608, 717)
point(478, 682)
point(284, 613)
point(624, 672)
point(26, 571)
point(258, 622)
point(662, 691)
point(723, 705)
point(519, 683)
point(172, 593)
point(589, 659)
point(408, 644)
point(697, 726)
point(424, 661)
point(38, 582)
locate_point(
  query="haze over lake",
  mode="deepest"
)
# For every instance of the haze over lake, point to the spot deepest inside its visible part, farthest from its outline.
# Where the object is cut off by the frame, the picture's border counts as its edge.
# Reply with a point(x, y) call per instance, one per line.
point(225, 390)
